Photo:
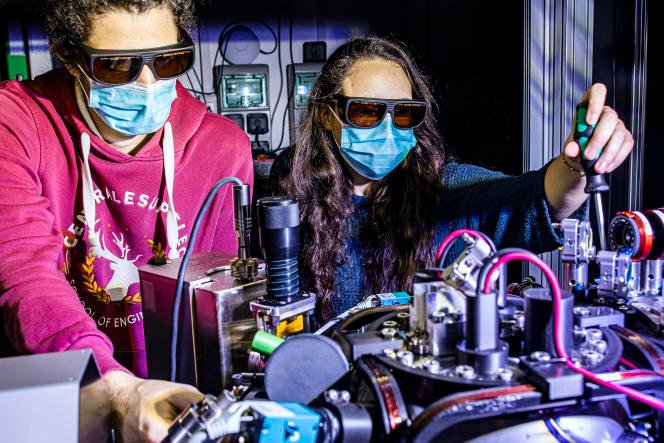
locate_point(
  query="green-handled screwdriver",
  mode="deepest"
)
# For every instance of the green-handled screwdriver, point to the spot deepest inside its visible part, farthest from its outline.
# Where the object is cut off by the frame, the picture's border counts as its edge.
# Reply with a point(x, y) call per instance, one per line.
point(595, 182)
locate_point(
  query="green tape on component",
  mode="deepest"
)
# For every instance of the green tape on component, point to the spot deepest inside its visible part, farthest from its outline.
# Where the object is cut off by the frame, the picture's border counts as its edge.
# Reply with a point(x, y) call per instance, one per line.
point(583, 131)
point(265, 343)
point(581, 120)
point(17, 67)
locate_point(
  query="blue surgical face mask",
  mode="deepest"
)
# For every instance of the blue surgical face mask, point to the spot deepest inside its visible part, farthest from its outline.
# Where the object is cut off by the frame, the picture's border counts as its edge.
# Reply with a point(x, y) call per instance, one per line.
point(134, 108)
point(375, 152)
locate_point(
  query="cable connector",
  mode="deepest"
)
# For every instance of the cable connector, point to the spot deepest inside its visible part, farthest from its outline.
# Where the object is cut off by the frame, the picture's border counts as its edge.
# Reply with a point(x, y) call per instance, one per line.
point(393, 298)
point(244, 269)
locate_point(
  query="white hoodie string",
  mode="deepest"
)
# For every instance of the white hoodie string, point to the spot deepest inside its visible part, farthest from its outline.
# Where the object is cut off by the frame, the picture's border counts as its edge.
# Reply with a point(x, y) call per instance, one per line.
point(89, 208)
point(169, 172)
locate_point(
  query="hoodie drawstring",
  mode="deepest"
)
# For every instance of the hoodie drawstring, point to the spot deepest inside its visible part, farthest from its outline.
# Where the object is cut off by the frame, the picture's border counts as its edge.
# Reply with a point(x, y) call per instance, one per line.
point(89, 208)
point(169, 173)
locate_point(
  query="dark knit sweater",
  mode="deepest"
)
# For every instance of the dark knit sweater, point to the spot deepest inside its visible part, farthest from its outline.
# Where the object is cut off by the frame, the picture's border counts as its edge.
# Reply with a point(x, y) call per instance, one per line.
point(513, 211)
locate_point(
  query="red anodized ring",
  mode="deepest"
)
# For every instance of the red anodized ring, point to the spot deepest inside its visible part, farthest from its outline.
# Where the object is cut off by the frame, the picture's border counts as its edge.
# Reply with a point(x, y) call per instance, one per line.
point(645, 233)
point(657, 252)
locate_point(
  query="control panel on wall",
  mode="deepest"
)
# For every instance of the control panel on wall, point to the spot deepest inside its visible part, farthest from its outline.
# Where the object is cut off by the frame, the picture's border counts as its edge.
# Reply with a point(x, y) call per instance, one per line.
point(301, 77)
point(243, 96)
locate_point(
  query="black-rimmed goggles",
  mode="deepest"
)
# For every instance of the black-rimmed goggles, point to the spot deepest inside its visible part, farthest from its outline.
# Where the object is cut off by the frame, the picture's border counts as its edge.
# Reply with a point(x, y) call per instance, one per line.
point(363, 112)
point(120, 66)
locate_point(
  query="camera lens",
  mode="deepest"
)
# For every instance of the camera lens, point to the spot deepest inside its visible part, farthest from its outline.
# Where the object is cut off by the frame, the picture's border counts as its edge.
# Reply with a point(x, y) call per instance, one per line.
point(656, 218)
point(639, 234)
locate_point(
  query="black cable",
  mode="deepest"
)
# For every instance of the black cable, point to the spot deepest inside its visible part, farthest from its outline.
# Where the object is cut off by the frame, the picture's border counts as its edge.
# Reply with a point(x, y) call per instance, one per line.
point(276, 40)
point(222, 42)
point(224, 35)
point(220, 80)
point(292, 87)
point(226, 32)
point(175, 318)
point(198, 80)
point(217, 85)
point(484, 271)
point(281, 81)
point(200, 57)
point(484, 237)
point(222, 46)
point(201, 81)
point(200, 84)
point(194, 90)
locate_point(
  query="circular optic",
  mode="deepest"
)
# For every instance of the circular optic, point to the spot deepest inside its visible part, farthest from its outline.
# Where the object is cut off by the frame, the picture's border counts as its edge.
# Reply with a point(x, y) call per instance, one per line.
point(639, 234)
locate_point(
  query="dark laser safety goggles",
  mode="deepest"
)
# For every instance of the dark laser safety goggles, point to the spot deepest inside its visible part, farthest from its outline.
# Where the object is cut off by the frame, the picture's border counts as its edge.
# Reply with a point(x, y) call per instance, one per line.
point(120, 66)
point(364, 112)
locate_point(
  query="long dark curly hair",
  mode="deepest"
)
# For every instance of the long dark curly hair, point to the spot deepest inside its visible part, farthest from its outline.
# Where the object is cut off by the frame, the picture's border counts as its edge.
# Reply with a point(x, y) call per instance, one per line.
point(68, 22)
point(402, 205)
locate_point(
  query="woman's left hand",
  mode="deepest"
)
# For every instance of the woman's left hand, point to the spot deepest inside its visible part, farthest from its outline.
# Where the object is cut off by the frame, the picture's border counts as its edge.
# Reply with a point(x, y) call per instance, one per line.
point(610, 135)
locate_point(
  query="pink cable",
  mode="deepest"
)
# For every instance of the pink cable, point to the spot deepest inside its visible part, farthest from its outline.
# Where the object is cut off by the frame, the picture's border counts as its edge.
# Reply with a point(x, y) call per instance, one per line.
point(453, 236)
point(628, 363)
point(557, 327)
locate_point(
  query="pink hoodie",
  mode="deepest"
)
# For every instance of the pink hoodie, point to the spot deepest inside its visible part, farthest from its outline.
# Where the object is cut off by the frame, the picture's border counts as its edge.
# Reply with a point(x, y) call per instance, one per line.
point(54, 294)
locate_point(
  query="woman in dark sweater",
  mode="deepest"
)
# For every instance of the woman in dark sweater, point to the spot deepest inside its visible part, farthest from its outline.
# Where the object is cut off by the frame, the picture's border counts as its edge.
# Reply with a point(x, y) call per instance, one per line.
point(377, 191)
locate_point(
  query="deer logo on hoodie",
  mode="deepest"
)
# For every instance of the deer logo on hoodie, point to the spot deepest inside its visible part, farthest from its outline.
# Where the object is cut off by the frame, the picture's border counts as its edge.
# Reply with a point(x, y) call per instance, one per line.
point(123, 268)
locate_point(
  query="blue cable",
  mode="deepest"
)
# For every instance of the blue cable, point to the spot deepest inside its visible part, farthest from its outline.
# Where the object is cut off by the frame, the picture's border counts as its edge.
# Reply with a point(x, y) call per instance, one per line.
point(175, 319)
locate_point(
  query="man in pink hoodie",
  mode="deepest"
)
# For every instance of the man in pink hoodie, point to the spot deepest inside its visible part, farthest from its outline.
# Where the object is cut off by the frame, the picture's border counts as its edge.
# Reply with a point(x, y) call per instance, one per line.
point(105, 163)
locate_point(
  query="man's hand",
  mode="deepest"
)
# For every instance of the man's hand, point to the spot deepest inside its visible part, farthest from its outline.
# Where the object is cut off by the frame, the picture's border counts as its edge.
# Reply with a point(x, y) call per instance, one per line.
point(610, 134)
point(144, 409)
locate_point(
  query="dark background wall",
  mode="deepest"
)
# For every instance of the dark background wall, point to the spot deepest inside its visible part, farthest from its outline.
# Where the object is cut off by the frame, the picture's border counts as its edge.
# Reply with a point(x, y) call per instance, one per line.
point(613, 65)
point(472, 50)
point(653, 196)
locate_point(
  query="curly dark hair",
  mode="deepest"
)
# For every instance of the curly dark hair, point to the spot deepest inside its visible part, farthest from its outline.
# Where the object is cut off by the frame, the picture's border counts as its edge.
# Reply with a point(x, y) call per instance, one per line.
point(402, 205)
point(67, 22)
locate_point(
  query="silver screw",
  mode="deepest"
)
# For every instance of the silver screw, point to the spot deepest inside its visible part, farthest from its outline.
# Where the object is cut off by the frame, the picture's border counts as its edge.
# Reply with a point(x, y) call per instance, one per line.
point(541, 356)
point(579, 332)
point(438, 316)
point(581, 311)
point(465, 371)
point(332, 395)
point(432, 366)
point(388, 332)
point(504, 374)
point(406, 357)
point(389, 324)
point(419, 345)
point(599, 346)
point(594, 334)
point(520, 320)
point(591, 358)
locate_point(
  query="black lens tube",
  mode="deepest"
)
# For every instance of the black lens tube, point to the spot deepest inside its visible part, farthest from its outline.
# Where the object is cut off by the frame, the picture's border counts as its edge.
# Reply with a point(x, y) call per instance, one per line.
point(242, 219)
point(279, 236)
